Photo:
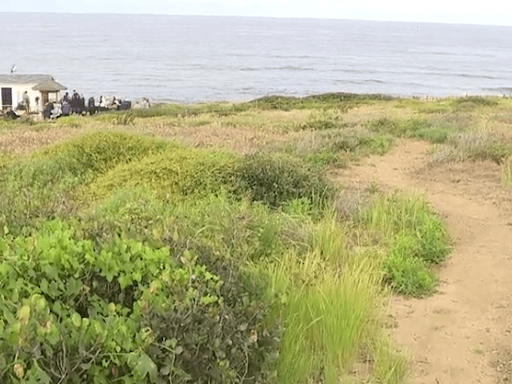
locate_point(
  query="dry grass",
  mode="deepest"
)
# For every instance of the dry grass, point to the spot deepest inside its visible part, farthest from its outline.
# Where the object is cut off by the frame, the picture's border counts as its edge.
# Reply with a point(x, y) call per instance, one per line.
point(506, 173)
point(482, 145)
point(24, 140)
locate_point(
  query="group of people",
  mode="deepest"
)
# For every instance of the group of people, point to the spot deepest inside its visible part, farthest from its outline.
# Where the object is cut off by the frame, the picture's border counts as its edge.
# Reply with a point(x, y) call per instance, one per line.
point(75, 104)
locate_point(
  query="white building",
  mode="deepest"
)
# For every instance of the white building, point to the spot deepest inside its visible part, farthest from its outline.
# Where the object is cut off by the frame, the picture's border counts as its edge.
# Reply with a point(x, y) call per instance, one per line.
point(41, 87)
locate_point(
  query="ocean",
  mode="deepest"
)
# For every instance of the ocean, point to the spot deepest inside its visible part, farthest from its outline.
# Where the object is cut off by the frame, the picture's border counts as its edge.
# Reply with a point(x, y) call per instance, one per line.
point(194, 59)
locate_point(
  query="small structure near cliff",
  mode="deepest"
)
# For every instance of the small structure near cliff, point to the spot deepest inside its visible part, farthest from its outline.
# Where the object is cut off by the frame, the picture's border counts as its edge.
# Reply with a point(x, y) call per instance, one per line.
point(40, 89)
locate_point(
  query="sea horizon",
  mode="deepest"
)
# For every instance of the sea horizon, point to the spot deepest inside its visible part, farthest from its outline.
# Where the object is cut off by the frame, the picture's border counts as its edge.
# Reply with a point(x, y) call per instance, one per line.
point(177, 58)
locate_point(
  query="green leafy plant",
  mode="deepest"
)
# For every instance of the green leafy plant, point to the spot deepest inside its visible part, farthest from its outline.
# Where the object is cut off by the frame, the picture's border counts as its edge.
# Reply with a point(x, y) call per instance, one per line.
point(71, 313)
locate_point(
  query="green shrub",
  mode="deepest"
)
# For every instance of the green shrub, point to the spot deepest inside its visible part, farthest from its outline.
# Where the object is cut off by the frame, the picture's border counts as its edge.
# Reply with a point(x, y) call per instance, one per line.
point(405, 273)
point(336, 142)
point(175, 174)
point(42, 186)
point(219, 226)
point(276, 178)
point(433, 135)
point(324, 119)
point(125, 312)
point(399, 127)
point(100, 151)
point(486, 145)
point(470, 103)
point(415, 238)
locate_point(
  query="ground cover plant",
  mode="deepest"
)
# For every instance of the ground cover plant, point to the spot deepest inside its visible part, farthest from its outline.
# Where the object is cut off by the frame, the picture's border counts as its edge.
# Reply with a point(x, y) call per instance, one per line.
point(221, 251)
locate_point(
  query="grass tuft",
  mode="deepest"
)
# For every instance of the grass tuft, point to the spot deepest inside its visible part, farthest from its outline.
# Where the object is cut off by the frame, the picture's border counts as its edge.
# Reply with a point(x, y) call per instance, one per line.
point(415, 237)
point(484, 145)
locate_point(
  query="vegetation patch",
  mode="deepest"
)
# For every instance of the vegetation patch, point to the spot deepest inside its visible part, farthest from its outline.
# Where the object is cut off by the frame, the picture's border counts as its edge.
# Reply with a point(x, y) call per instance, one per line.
point(129, 259)
point(5, 160)
point(278, 178)
point(416, 239)
point(41, 186)
point(482, 145)
point(339, 146)
point(125, 312)
point(177, 173)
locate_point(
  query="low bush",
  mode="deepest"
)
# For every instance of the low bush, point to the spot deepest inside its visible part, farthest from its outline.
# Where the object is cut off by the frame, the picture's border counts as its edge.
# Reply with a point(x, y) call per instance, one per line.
point(398, 127)
point(464, 146)
point(323, 119)
point(42, 186)
point(223, 228)
point(124, 312)
point(433, 135)
point(276, 178)
point(175, 174)
point(334, 145)
point(470, 103)
point(100, 151)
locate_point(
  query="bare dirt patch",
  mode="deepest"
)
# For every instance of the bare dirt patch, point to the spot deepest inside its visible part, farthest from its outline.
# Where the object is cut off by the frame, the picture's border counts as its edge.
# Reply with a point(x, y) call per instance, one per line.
point(463, 333)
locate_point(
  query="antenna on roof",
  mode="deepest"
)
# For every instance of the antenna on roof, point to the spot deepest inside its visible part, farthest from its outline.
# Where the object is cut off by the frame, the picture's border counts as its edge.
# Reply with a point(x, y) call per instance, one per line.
point(13, 68)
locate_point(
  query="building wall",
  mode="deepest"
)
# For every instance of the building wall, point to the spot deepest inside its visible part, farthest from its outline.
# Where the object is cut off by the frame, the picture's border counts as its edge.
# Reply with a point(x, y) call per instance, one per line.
point(17, 95)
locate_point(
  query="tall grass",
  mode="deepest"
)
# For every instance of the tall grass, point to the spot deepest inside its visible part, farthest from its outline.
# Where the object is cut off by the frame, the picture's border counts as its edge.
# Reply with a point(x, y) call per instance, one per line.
point(483, 145)
point(506, 173)
point(339, 146)
point(414, 238)
point(329, 301)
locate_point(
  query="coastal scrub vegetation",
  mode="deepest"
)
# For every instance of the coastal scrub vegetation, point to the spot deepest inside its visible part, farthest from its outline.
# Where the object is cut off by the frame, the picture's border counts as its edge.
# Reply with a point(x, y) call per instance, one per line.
point(210, 243)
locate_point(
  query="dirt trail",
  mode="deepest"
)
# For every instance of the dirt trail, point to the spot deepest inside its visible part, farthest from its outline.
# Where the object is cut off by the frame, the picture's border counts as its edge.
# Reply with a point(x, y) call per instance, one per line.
point(463, 333)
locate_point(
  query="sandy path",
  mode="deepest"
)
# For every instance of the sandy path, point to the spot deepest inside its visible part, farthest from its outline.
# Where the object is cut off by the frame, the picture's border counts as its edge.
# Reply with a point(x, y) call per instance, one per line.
point(463, 333)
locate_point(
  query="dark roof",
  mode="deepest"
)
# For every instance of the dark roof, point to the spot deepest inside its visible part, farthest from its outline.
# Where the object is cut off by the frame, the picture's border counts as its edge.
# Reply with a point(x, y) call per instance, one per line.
point(24, 79)
point(49, 86)
point(44, 83)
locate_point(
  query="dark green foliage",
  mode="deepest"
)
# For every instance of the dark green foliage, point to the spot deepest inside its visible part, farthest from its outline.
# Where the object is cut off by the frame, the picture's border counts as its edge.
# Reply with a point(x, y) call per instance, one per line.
point(276, 178)
point(125, 311)
point(433, 135)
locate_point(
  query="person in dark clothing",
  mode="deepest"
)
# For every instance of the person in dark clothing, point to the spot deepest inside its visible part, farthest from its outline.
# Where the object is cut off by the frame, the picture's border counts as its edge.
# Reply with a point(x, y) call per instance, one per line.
point(83, 108)
point(11, 114)
point(75, 102)
point(66, 108)
point(48, 110)
point(91, 106)
point(66, 98)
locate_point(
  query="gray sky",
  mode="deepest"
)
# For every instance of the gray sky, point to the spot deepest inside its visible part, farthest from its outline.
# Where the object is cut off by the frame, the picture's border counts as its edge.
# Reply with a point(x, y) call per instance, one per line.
point(492, 12)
